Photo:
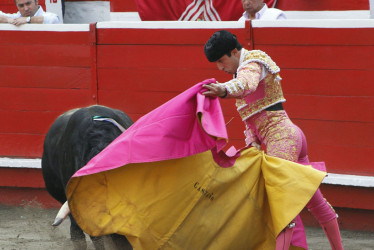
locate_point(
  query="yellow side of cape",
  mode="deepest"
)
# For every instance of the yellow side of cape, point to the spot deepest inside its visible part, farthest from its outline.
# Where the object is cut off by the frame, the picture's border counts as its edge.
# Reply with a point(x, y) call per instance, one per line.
point(192, 203)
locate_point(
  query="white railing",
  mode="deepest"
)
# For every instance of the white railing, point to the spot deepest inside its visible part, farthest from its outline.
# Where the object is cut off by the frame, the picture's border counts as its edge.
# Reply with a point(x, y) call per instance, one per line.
point(331, 178)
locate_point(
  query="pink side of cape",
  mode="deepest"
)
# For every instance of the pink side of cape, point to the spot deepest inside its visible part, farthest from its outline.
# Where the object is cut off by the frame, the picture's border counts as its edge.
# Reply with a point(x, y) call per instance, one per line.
point(171, 131)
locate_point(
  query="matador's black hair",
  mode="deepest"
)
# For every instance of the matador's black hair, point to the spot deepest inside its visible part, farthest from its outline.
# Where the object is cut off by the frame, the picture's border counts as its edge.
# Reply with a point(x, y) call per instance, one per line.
point(219, 44)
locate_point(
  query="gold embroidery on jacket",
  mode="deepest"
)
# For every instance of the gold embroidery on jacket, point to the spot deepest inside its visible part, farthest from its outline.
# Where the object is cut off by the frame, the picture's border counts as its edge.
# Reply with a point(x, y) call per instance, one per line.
point(272, 87)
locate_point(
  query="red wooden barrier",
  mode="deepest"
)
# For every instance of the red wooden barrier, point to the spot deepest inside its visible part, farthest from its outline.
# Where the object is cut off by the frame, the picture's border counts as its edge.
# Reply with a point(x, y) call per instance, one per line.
point(149, 66)
point(327, 80)
point(44, 73)
point(123, 6)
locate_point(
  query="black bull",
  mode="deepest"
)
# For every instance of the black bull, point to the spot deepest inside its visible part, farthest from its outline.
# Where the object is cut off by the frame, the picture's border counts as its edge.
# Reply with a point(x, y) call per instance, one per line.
point(73, 139)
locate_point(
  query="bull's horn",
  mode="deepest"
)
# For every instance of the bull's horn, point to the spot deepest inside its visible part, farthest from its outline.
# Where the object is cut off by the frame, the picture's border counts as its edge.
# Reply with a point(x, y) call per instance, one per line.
point(62, 214)
point(107, 119)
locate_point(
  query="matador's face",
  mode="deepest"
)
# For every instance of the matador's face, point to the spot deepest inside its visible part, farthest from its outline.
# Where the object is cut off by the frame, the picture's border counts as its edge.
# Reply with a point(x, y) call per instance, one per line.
point(229, 64)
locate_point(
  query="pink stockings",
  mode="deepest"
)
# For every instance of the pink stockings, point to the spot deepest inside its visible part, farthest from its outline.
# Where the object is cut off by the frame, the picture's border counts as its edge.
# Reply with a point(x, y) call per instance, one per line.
point(326, 217)
point(285, 140)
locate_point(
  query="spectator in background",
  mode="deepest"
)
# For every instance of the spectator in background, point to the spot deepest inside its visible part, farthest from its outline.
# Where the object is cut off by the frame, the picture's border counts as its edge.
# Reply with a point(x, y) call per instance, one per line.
point(257, 9)
point(29, 12)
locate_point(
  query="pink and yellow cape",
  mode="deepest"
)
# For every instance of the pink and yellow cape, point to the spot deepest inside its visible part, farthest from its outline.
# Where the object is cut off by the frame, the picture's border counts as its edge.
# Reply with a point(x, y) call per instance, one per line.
point(166, 184)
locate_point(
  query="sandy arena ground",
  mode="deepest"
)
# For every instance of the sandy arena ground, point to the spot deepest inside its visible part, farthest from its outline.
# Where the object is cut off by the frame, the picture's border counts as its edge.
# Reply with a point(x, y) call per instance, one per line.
point(29, 228)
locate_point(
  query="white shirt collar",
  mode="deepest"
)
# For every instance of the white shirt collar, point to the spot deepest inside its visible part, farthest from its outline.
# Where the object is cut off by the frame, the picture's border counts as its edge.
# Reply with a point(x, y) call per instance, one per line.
point(39, 12)
point(260, 13)
point(241, 58)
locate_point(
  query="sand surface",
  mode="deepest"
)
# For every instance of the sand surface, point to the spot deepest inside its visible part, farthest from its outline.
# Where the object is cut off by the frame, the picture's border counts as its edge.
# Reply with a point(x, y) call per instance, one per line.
point(30, 228)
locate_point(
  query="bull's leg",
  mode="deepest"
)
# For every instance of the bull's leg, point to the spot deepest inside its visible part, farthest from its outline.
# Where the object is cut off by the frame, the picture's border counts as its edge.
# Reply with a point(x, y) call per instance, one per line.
point(77, 235)
point(121, 242)
point(98, 242)
point(79, 239)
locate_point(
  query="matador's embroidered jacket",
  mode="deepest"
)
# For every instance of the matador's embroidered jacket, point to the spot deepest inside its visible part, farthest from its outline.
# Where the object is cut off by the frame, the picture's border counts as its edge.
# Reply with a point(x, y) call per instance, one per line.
point(257, 84)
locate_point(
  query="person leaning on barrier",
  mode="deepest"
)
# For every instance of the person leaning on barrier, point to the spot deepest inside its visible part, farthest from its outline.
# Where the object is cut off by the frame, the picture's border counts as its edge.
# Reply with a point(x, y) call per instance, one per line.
point(257, 9)
point(29, 12)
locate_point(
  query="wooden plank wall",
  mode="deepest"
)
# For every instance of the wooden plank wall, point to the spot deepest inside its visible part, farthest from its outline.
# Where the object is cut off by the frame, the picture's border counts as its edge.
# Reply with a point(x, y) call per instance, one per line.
point(43, 74)
point(327, 80)
point(140, 69)
point(123, 6)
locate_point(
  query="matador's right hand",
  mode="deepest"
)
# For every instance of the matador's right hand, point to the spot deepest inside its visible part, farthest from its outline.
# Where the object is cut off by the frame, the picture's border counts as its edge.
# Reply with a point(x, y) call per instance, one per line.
point(215, 89)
